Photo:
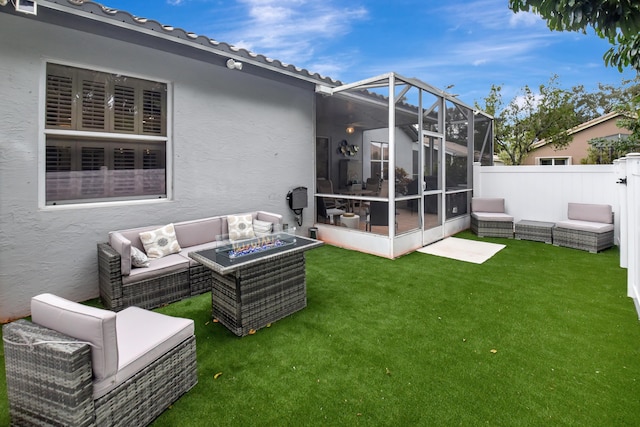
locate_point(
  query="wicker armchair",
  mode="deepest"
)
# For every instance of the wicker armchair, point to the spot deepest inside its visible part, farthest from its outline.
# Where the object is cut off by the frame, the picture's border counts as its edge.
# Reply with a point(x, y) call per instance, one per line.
point(589, 227)
point(96, 377)
point(488, 218)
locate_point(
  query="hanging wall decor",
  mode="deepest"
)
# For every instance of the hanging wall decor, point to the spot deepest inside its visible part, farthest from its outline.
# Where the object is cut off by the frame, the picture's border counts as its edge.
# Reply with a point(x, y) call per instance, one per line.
point(347, 150)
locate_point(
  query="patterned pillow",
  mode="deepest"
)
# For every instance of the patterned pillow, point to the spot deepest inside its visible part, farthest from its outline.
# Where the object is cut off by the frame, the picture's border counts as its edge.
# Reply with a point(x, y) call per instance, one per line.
point(139, 258)
point(262, 228)
point(160, 242)
point(240, 227)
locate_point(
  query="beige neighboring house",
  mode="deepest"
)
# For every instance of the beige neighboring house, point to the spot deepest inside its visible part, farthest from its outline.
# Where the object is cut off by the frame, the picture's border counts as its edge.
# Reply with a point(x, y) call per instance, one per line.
point(604, 126)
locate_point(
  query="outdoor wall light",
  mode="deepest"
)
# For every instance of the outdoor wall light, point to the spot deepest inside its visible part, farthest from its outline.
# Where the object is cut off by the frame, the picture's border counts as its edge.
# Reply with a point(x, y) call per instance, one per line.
point(350, 130)
point(233, 65)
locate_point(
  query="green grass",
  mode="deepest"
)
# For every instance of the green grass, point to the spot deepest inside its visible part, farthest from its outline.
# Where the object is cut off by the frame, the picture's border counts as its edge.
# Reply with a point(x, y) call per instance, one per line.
point(536, 335)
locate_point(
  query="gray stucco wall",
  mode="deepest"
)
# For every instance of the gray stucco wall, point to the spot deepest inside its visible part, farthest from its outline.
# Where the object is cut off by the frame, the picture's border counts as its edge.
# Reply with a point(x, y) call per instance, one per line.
point(240, 143)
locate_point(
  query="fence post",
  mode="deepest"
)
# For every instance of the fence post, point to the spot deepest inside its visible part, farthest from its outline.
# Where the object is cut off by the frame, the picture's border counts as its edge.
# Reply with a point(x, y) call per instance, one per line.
point(633, 217)
point(621, 208)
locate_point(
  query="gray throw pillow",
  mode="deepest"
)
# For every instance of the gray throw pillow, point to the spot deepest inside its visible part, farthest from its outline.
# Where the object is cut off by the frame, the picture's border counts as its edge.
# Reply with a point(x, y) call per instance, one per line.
point(138, 258)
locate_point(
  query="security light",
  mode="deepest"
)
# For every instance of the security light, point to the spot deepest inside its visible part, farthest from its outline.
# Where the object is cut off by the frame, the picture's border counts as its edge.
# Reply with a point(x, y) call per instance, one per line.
point(234, 65)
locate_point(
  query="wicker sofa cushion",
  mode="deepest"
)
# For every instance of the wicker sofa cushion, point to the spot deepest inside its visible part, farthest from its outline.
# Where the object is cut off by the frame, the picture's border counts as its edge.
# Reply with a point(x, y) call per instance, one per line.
point(157, 267)
point(143, 336)
point(590, 212)
point(199, 231)
point(123, 246)
point(595, 227)
point(492, 216)
point(83, 323)
point(487, 204)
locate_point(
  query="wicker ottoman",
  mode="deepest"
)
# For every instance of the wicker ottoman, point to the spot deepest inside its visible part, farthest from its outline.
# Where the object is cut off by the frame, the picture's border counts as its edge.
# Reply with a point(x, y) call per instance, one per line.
point(538, 231)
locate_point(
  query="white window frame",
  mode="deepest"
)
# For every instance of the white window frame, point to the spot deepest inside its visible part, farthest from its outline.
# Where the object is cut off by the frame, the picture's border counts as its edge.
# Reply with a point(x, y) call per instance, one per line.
point(553, 159)
point(44, 133)
point(382, 161)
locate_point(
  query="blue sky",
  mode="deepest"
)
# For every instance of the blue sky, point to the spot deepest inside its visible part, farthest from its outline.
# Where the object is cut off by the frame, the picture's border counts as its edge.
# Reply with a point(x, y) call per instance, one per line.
point(468, 44)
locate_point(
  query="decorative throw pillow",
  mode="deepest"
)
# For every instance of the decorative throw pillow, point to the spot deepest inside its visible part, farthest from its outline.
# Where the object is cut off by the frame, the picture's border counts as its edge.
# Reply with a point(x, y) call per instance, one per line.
point(262, 228)
point(139, 258)
point(240, 227)
point(160, 242)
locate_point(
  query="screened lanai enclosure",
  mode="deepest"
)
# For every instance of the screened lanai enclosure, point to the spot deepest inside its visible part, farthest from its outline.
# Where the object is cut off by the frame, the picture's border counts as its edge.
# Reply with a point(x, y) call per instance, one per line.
point(394, 160)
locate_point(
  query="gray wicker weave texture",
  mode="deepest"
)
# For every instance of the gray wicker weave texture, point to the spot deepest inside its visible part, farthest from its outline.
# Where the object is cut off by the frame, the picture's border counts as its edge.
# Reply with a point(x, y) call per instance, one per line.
point(538, 231)
point(492, 228)
point(583, 240)
point(47, 383)
point(50, 384)
point(255, 296)
point(150, 293)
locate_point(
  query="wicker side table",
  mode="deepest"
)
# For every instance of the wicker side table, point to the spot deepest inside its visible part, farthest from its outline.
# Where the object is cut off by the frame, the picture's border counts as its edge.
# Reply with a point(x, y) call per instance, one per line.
point(538, 231)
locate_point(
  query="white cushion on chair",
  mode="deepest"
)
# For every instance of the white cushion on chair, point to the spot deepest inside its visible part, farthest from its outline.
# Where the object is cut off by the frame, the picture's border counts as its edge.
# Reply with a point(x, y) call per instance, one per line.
point(594, 227)
point(487, 204)
point(143, 336)
point(492, 216)
point(83, 323)
point(590, 212)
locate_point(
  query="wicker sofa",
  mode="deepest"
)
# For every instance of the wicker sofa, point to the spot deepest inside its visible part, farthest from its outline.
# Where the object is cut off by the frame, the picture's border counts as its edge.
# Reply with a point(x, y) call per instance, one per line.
point(77, 365)
point(169, 278)
point(488, 218)
point(589, 227)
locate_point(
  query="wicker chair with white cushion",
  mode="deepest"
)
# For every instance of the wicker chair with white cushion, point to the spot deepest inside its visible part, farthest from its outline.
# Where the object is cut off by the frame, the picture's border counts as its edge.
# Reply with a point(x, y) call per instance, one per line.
point(488, 218)
point(77, 365)
point(589, 227)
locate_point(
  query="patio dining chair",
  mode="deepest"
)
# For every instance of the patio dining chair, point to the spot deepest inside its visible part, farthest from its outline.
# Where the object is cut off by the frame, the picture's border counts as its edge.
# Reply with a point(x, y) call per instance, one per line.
point(327, 213)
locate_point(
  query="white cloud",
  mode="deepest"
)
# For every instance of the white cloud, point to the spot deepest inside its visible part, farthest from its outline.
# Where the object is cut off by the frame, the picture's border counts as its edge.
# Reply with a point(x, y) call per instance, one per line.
point(524, 19)
point(288, 30)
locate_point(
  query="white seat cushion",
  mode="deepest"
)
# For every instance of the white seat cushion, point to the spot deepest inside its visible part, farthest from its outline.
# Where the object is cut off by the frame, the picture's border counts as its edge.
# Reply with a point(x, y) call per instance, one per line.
point(595, 227)
point(143, 336)
point(83, 323)
point(492, 216)
point(211, 245)
point(158, 267)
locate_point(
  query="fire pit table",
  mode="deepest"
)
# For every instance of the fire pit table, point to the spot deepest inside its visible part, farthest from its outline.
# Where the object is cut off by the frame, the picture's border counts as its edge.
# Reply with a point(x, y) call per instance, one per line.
point(258, 281)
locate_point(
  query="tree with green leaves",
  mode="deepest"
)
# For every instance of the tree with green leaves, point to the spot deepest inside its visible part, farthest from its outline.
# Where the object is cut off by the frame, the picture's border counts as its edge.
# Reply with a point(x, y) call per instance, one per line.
point(608, 98)
point(528, 118)
point(606, 150)
point(616, 20)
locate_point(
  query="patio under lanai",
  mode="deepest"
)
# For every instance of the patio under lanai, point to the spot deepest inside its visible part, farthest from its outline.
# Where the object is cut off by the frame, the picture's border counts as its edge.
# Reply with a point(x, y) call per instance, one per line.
point(396, 151)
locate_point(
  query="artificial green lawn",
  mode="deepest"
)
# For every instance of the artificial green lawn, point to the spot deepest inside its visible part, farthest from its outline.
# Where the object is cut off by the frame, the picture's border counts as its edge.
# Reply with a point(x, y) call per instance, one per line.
point(536, 335)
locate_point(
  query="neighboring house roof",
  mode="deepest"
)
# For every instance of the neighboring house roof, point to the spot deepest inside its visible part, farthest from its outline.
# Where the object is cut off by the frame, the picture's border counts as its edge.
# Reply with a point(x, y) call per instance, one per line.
point(179, 37)
point(583, 126)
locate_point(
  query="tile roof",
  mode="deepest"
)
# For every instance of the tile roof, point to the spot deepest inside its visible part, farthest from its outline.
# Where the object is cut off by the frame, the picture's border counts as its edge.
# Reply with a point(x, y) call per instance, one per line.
point(122, 18)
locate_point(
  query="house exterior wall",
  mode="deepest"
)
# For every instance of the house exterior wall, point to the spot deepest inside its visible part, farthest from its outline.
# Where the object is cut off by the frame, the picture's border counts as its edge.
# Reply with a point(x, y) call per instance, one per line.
point(578, 148)
point(239, 142)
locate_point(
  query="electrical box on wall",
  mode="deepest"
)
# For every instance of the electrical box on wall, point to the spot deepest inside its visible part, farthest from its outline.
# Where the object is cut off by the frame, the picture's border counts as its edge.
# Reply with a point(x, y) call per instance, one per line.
point(297, 198)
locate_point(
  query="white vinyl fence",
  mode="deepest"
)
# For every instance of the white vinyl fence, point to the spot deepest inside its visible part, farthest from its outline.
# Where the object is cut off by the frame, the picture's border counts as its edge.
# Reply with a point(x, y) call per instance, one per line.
point(542, 193)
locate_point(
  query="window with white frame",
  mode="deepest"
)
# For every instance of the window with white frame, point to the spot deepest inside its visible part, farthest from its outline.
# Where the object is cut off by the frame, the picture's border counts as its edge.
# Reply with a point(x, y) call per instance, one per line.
point(106, 136)
point(553, 161)
point(379, 160)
